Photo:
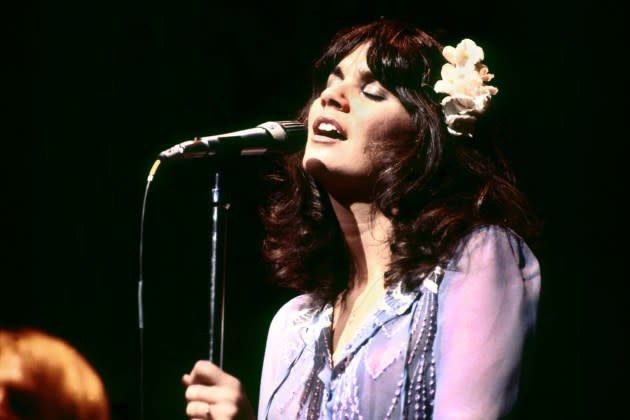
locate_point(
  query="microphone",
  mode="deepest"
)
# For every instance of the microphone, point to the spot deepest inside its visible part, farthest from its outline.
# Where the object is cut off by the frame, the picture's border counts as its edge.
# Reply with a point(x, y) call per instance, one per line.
point(268, 137)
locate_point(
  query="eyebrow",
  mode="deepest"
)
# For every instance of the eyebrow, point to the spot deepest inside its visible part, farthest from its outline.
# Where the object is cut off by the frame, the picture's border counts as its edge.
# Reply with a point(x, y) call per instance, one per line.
point(364, 73)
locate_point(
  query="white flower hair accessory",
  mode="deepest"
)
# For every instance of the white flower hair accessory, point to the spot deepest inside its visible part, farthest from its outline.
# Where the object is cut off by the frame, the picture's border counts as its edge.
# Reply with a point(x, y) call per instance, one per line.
point(463, 80)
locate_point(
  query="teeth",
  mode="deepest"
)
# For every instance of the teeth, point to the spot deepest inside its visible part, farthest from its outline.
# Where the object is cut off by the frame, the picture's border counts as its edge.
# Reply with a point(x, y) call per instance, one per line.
point(328, 127)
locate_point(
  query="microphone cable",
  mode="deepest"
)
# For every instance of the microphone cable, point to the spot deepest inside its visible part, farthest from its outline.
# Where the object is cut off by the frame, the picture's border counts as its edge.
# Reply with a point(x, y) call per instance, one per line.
point(152, 172)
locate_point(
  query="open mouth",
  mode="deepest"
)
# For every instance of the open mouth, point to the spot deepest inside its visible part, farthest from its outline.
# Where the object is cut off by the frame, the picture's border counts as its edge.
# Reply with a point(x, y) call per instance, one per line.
point(328, 128)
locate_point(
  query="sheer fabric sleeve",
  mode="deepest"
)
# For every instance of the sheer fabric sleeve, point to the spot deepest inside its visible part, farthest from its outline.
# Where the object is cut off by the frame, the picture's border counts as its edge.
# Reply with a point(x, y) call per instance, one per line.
point(487, 306)
point(282, 341)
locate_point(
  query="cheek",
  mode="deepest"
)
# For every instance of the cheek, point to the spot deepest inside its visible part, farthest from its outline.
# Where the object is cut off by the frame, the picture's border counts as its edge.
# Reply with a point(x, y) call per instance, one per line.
point(387, 128)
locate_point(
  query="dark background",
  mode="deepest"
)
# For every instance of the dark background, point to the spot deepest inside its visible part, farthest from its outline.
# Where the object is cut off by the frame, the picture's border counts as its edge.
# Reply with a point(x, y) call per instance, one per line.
point(94, 90)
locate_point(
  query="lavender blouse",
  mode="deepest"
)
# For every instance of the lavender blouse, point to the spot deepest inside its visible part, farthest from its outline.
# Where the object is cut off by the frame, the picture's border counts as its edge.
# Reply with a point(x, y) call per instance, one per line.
point(450, 349)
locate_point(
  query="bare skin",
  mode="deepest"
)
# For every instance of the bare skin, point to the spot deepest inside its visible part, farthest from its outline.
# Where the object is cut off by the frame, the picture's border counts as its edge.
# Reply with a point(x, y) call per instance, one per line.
point(213, 394)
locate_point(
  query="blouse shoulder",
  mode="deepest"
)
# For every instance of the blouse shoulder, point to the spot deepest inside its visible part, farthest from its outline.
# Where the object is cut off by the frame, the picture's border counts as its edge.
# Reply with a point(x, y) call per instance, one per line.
point(492, 244)
point(285, 339)
point(293, 314)
point(487, 310)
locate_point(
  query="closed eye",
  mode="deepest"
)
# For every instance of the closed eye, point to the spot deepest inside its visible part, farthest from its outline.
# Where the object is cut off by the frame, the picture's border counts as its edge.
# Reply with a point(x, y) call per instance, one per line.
point(373, 96)
point(334, 77)
point(373, 90)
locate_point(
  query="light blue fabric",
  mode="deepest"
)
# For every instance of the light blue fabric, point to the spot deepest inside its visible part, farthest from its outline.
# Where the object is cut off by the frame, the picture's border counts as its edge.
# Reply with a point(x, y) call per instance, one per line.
point(420, 355)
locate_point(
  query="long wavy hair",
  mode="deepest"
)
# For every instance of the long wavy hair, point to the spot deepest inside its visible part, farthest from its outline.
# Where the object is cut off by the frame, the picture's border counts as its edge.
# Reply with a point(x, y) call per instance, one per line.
point(435, 188)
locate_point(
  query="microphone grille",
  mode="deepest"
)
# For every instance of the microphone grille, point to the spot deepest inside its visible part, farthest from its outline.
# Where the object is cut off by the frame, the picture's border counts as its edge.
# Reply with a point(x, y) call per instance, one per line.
point(285, 130)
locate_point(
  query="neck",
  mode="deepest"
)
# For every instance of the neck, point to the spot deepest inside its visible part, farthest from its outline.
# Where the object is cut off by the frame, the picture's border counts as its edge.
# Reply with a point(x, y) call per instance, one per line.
point(366, 234)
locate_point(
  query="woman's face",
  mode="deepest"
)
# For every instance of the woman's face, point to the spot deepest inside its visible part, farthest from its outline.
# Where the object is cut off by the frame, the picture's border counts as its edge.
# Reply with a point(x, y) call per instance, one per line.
point(346, 124)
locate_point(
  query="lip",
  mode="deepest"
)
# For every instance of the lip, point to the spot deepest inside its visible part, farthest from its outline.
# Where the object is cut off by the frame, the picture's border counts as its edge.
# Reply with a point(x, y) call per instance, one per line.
point(323, 137)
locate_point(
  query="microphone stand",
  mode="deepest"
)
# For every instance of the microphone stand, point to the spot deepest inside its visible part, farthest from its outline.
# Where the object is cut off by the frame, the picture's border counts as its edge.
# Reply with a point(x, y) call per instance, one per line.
point(219, 208)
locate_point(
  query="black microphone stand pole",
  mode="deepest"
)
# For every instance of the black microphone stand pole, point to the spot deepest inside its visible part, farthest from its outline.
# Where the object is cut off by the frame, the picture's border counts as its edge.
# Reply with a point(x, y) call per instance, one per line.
point(219, 209)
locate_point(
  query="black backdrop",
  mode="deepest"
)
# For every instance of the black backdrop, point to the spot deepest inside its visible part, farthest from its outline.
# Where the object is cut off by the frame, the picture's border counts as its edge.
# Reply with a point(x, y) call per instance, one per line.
point(95, 89)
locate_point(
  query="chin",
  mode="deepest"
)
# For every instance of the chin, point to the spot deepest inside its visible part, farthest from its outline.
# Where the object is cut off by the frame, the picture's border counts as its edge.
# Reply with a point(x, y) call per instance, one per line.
point(314, 166)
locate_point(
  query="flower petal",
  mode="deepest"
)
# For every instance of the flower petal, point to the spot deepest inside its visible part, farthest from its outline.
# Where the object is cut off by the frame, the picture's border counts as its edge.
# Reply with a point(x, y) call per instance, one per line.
point(463, 80)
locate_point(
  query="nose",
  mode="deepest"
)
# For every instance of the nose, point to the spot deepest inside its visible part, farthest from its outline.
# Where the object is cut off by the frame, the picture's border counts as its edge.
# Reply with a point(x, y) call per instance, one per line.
point(335, 96)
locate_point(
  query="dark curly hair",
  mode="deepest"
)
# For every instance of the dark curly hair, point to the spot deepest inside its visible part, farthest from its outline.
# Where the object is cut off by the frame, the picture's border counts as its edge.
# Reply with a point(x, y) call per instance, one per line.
point(435, 188)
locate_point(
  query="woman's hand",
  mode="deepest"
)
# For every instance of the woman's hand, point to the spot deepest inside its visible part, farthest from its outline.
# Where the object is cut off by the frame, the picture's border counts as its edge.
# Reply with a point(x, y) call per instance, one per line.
point(213, 394)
